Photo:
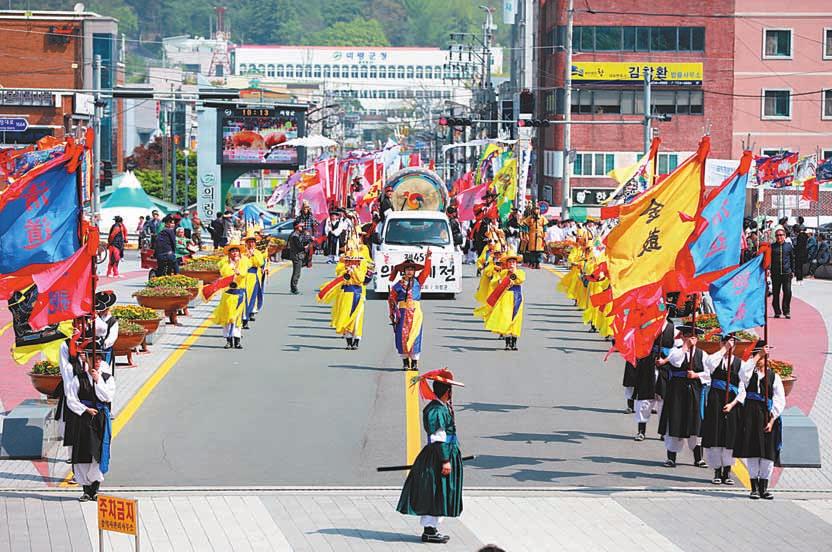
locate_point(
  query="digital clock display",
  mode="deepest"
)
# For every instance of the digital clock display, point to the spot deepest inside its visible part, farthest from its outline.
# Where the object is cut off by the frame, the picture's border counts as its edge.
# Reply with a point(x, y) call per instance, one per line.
point(256, 112)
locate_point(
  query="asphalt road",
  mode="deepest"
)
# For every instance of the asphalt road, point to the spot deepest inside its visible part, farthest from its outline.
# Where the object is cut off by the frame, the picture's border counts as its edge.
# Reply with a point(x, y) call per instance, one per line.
point(294, 408)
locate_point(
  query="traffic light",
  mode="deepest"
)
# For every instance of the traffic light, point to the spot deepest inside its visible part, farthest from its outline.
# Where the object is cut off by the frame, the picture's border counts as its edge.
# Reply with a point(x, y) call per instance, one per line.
point(526, 102)
point(533, 123)
point(455, 121)
point(106, 174)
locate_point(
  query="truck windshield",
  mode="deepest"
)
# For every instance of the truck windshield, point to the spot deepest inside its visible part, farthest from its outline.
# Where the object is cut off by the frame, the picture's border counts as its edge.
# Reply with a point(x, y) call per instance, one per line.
point(417, 232)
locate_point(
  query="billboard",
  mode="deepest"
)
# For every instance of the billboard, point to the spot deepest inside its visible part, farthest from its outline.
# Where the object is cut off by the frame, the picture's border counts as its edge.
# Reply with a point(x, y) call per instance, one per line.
point(630, 72)
point(247, 137)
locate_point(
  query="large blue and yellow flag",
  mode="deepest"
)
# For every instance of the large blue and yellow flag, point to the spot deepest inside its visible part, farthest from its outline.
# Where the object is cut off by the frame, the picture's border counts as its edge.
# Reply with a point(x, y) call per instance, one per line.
point(655, 227)
point(740, 297)
point(717, 248)
point(39, 217)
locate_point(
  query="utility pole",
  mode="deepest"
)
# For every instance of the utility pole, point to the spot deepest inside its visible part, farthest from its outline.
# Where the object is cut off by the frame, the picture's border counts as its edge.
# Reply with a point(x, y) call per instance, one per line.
point(567, 113)
point(648, 117)
point(96, 84)
point(173, 146)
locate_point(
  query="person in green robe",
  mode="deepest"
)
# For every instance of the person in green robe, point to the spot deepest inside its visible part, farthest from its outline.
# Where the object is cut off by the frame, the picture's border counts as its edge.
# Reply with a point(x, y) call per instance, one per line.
point(433, 488)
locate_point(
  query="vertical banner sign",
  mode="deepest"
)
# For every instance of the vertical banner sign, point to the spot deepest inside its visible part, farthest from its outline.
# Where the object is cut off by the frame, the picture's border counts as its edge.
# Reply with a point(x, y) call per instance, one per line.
point(509, 11)
point(525, 157)
point(208, 169)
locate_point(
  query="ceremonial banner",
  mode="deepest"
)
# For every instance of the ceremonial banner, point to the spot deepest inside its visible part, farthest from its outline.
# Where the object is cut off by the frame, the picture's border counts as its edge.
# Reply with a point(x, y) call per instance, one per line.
point(525, 153)
point(777, 170)
point(654, 228)
point(740, 297)
point(805, 169)
point(467, 199)
point(824, 171)
point(505, 181)
point(634, 179)
point(317, 201)
point(28, 342)
point(811, 190)
point(39, 217)
point(718, 246)
point(64, 291)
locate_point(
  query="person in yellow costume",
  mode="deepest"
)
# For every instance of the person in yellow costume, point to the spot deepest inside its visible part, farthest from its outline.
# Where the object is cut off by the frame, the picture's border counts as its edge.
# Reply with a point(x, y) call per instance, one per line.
point(568, 284)
point(506, 300)
point(487, 270)
point(348, 309)
point(229, 313)
point(254, 278)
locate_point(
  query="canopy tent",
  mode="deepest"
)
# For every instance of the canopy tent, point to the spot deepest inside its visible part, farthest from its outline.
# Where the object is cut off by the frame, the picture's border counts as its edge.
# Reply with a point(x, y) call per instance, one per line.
point(127, 200)
point(253, 214)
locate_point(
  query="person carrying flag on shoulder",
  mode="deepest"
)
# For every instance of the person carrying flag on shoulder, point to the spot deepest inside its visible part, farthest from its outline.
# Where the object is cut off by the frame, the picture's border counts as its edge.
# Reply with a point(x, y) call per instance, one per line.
point(404, 303)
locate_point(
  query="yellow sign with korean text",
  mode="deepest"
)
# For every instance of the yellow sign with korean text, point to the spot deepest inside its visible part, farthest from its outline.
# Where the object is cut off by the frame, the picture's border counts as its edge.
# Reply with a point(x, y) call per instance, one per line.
point(629, 72)
point(118, 514)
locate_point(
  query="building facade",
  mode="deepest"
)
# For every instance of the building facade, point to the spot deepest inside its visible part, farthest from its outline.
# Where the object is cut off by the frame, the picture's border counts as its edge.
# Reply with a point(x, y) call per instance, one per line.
point(690, 57)
point(54, 51)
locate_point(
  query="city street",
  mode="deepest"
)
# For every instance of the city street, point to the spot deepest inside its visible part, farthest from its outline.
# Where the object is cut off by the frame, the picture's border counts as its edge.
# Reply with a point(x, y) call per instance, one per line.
point(294, 408)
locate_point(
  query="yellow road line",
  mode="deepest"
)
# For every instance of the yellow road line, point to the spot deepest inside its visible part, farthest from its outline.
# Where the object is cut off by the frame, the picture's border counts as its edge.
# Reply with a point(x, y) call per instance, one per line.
point(553, 271)
point(129, 410)
point(412, 426)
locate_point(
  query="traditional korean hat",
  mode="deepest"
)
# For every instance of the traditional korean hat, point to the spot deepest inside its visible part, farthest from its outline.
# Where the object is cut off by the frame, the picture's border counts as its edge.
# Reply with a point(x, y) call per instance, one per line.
point(443, 375)
point(104, 300)
point(86, 346)
point(759, 346)
point(688, 331)
point(401, 267)
point(510, 254)
point(233, 245)
point(250, 235)
point(726, 336)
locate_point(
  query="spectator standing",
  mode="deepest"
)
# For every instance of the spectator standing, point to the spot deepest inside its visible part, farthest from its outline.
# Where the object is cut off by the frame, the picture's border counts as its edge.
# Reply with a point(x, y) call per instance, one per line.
point(310, 225)
point(215, 229)
point(115, 245)
point(140, 226)
point(186, 224)
point(386, 203)
point(166, 249)
point(801, 251)
point(782, 268)
point(196, 234)
point(227, 227)
point(824, 255)
point(298, 243)
point(333, 229)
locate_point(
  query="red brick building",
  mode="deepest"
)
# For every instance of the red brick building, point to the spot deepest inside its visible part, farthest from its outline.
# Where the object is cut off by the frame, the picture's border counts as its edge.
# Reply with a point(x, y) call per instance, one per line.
point(55, 51)
point(634, 33)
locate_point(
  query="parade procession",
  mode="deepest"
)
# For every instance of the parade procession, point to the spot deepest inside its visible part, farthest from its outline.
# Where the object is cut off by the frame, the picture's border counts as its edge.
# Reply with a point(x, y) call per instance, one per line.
point(333, 276)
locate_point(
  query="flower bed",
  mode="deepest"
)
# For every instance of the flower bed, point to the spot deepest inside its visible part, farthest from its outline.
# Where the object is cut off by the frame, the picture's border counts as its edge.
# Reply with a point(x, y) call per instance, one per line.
point(46, 368)
point(710, 341)
point(174, 280)
point(161, 292)
point(45, 377)
point(168, 299)
point(204, 268)
point(134, 313)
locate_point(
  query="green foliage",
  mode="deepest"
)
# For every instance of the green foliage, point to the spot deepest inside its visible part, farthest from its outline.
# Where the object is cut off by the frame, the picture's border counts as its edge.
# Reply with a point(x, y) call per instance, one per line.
point(46, 368)
point(134, 312)
point(173, 280)
point(148, 163)
point(358, 32)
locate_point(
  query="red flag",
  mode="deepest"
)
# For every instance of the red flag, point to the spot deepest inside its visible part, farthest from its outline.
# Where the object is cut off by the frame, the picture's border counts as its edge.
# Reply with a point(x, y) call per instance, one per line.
point(64, 291)
point(811, 190)
point(498, 291)
point(415, 160)
point(210, 289)
point(432, 165)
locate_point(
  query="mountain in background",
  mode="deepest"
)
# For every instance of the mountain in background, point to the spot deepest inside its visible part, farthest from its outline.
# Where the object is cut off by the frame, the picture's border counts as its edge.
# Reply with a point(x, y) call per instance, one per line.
point(313, 22)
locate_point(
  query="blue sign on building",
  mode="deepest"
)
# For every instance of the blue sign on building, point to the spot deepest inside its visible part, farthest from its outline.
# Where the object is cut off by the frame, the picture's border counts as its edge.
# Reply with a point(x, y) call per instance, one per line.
point(13, 124)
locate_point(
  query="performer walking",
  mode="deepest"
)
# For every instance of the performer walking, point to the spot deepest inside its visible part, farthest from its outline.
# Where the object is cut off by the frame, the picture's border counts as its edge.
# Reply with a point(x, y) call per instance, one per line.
point(681, 412)
point(116, 240)
point(229, 312)
point(758, 444)
point(254, 281)
point(106, 325)
point(404, 303)
point(346, 294)
point(506, 300)
point(433, 488)
point(89, 396)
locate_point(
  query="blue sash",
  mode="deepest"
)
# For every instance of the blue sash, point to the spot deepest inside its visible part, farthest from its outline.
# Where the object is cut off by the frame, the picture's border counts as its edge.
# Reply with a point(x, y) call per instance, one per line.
point(721, 384)
point(678, 373)
point(758, 397)
point(103, 410)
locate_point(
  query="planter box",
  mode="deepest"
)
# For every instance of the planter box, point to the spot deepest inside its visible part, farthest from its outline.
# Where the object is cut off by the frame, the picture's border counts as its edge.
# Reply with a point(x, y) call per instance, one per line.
point(125, 343)
point(153, 337)
point(45, 384)
point(207, 276)
point(740, 349)
point(788, 384)
point(150, 326)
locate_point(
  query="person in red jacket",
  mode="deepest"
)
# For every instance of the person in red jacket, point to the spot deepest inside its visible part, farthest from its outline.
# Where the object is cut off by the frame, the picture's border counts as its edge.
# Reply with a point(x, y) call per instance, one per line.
point(115, 245)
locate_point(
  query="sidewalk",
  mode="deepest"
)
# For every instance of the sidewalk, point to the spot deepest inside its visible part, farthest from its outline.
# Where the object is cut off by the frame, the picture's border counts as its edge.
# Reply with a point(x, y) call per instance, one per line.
point(15, 385)
point(365, 519)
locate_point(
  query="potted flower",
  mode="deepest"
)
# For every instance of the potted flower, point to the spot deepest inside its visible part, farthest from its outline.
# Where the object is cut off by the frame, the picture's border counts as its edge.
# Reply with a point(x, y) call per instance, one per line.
point(168, 299)
point(148, 319)
point(130, 336)
point(177, 281)
point(785, 370)
point(710, 341)
point(203, 268)
point(45, 376)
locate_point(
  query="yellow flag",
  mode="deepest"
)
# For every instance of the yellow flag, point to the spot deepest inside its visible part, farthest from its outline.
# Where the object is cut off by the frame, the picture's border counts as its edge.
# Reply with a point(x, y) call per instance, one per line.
point(506, 180)
point(652, 230)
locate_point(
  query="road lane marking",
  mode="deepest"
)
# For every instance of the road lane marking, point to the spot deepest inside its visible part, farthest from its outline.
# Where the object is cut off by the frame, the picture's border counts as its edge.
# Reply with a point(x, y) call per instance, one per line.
point(413, 431)
point(136, 401)
point(739, 468)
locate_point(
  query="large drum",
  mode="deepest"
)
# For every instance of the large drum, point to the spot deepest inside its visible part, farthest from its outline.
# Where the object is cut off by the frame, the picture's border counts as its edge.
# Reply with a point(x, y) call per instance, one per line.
point(418, 189)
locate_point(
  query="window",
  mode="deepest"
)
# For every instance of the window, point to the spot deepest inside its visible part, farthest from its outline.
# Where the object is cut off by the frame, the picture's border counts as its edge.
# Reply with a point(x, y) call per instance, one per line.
point(290, 71)
point(307, 71)
point(410, 71)
point(345, 71)
point(777, 43)
point(364, 71)
point(772, 152)
point(299, 71)
point(827, 103)
point(667, 162)
point(827, 43)
point(243, 68)
point(382, 94)
point(261, 69)
point(400, 71)
point(327, 71)
point(638, 39)
point(593, 164)
point(336, 71)
point(270, 70)
point(354, 71)
point(607, 101)
point(437, 72)
point(373, 71)
point(827, 154)
point(777, 104)
point(280, 71)
point(629, 102)
point(382, 71)
point(420, 72)
point(428, 72)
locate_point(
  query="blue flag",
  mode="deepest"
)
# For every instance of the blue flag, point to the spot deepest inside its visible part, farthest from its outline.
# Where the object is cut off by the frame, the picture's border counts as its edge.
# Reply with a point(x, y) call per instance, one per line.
point(39, 217)
point(824, 171)
point(740, 297)
point(718, 246)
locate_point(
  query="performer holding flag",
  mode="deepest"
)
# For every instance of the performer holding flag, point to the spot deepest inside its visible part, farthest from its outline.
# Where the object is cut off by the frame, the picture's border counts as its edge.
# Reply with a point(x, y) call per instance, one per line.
point(229, 312)
point(506, 300)
point(254, 279)
point(433, 488)
point(404, 303)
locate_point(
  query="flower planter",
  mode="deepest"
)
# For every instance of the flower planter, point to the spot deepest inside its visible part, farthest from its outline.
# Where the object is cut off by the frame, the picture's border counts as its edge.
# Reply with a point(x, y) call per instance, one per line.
point(740, 349)
point(171, 305)
point(788, 384)
point(44, 383)
point(126, 343)
point(150, 326)
point(207, 276)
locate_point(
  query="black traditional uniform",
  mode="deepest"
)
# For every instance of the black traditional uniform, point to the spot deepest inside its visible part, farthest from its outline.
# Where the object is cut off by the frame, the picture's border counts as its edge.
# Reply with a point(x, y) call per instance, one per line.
point(681, 415)
point(719, 430)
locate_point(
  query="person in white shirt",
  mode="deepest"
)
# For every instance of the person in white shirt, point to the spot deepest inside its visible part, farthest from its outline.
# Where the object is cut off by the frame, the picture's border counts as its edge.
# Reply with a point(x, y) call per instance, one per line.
point(333, 229)
point(106, 325)
point(758, 445)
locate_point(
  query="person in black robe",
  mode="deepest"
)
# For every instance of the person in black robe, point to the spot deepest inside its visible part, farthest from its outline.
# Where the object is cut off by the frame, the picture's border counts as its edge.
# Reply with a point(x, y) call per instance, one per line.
point(759, 441)
point(89, 396)
point(681, 412)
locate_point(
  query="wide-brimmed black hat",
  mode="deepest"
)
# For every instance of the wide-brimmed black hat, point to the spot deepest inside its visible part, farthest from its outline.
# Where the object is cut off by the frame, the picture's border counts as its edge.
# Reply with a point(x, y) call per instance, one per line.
point(759, 346)
point(104, 300)
point(87, 346)
point(118, 219)
point(688, 331)
point(726, 336)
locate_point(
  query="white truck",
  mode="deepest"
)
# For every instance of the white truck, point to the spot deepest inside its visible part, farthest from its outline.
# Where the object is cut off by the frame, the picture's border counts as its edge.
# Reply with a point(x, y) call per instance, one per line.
point(417, 225)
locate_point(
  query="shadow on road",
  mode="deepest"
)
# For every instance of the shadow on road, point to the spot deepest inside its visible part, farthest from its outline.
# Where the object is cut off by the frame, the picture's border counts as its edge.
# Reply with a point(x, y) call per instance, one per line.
point(489, 407)
point(662, 476)
point(367, 534)
point(365, 368)
point(490, 462)
point(296, 347)
point(574, 408)
point(628, 461)
point(544, 475)
point(571, 437)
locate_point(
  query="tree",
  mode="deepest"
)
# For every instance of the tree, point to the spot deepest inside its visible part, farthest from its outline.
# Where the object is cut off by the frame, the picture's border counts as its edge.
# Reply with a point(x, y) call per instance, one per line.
point(358, 32)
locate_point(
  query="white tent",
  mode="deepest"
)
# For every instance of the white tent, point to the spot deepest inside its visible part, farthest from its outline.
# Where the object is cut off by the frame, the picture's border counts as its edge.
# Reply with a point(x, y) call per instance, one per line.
point(129, 201)
point(314, 141)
